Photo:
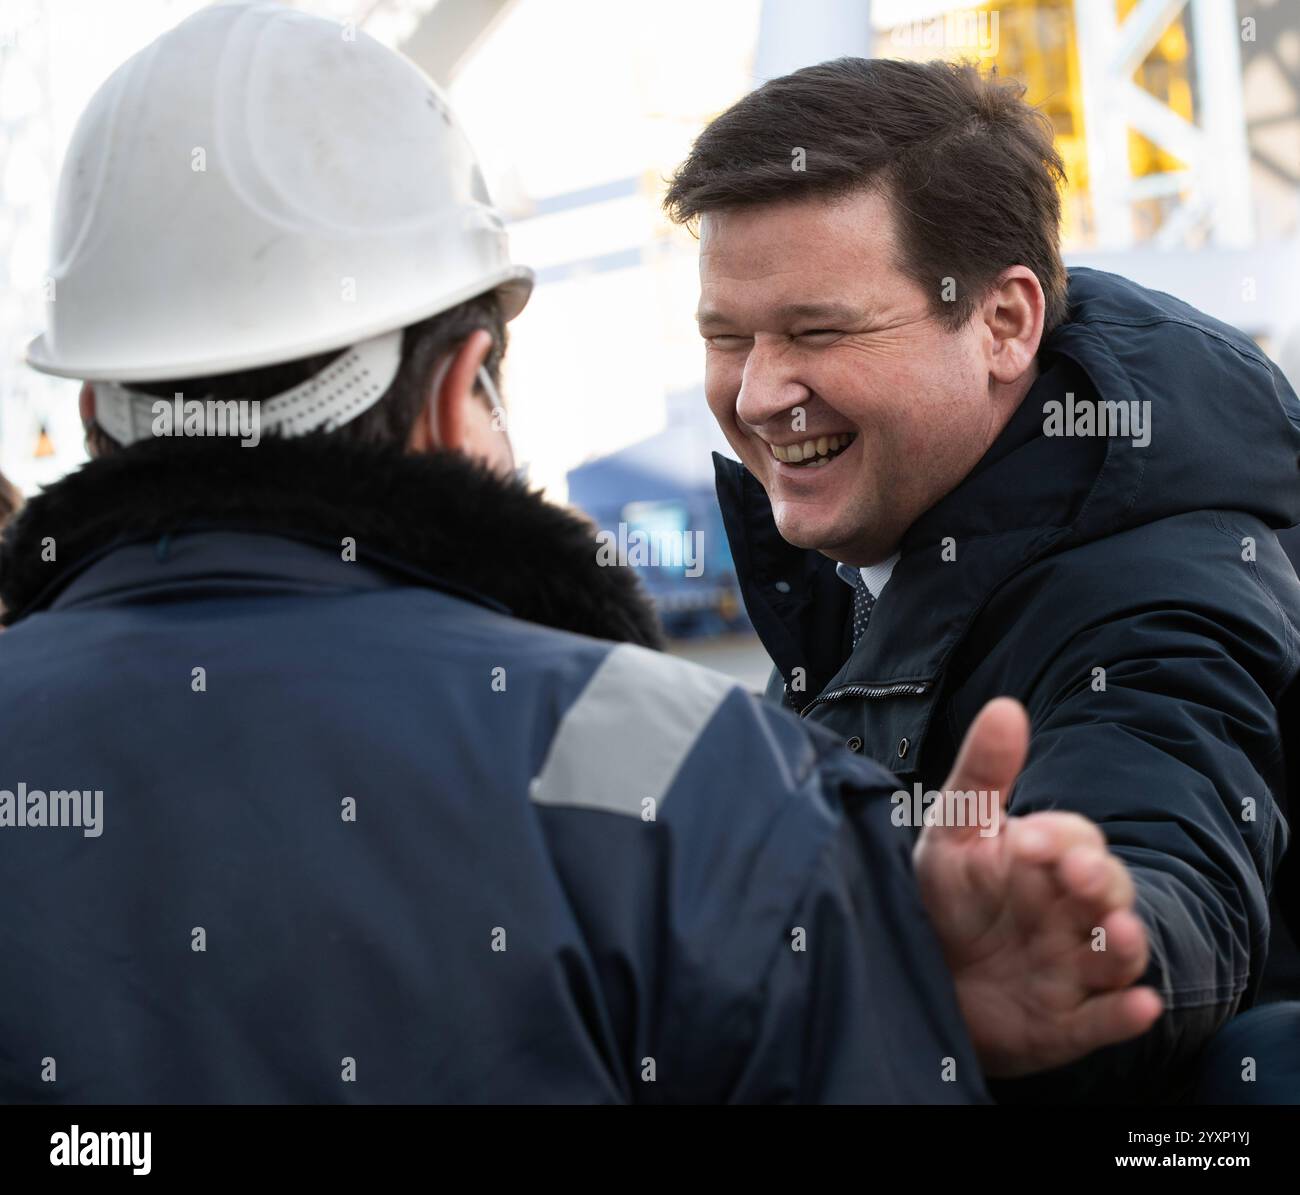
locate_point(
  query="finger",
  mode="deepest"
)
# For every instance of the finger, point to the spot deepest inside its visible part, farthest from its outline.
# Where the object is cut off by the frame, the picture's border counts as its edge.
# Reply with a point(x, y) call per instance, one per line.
point(1116, 952)
point(1096, 879)
point(991, 757)
point(1109, 1018)
point(1034, 904)
point(1045, 837)
point(1065, 899)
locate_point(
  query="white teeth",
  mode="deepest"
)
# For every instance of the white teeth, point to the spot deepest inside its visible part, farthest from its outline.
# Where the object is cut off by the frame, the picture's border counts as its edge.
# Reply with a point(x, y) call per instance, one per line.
point(821, 446)
point(794, 454)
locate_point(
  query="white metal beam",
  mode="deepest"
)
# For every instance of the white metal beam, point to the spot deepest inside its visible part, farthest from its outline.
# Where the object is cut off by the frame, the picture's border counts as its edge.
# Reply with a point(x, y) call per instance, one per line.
point(1216, 183)
point(448, 34)
point(1216, 37)
point(1142, 28)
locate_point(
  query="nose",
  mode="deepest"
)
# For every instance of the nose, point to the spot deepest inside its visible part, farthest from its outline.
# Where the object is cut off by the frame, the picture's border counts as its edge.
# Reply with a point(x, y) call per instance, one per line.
point(767, 387)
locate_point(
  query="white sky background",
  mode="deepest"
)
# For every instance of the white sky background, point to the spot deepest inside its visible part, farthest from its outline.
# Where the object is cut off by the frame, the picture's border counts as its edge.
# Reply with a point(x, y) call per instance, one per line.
point(571, 94)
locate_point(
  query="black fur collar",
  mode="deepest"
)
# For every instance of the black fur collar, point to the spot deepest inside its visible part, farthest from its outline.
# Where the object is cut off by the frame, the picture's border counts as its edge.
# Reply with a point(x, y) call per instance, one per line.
point(438, 517)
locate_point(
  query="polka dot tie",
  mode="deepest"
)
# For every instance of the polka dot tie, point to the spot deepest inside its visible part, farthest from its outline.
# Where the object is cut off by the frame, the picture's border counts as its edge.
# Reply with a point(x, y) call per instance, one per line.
point(863, 601)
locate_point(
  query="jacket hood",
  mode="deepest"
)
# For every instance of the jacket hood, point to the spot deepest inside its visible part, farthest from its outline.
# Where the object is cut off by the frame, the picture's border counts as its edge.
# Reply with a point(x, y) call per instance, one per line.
point(441, 521)
point(1223, 423)
point(1211, 424)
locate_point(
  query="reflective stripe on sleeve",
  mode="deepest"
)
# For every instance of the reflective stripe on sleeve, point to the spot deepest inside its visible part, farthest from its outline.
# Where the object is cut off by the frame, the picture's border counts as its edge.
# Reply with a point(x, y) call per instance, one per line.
point(625, 738)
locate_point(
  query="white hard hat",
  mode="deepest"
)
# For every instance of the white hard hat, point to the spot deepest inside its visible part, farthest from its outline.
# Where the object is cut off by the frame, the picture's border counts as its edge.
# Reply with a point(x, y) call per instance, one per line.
point(256, 186)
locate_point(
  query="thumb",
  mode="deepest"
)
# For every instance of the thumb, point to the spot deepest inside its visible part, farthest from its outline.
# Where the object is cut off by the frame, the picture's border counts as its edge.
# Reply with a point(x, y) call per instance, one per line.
point(992, 753)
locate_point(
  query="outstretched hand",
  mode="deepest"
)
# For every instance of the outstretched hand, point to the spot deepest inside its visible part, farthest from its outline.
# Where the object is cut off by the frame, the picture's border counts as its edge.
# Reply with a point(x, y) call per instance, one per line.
point(1036, 922)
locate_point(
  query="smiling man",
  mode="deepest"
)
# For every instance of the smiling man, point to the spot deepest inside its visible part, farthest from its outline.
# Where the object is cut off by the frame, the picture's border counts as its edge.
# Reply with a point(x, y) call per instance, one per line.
point(884, 390)
point(892, 343)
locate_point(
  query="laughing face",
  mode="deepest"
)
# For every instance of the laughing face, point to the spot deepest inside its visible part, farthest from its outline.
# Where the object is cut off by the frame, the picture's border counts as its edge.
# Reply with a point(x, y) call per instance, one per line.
point(836, 386)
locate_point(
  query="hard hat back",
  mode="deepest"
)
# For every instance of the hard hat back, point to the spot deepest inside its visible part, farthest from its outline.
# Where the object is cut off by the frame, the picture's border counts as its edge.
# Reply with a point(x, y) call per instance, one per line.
point(260, 185)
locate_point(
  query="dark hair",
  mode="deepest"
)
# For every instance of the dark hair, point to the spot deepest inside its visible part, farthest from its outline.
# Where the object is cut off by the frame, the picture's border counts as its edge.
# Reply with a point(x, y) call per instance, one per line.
point(968, 167)
point(390, 420)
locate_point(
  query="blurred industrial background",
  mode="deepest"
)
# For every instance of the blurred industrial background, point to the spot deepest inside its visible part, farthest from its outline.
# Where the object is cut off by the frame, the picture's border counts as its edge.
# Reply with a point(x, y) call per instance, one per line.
point(1178, 120)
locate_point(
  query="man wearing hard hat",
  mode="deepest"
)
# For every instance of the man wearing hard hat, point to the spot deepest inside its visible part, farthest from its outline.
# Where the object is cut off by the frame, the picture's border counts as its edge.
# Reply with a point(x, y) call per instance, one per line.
point(333, 765)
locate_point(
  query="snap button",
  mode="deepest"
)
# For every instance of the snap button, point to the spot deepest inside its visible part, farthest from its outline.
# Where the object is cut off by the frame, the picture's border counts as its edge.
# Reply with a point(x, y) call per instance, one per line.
point(903, 745)
point(854, 744)
point(782, 587)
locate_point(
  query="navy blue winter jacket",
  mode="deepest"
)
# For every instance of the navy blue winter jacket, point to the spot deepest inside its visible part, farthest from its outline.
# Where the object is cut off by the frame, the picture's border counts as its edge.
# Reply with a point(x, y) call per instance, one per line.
point(400, 804)
point(1134, 597)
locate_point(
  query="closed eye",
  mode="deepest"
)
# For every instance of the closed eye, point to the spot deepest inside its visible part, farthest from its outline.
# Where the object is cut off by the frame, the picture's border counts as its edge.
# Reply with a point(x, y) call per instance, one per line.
point(728, 342)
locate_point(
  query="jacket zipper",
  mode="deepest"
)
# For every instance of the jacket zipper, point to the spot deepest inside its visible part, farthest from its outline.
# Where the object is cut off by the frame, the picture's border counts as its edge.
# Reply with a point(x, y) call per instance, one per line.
point(902, 687)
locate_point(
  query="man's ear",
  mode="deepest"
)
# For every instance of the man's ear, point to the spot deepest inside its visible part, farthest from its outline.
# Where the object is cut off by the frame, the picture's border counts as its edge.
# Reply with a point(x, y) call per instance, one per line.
point(86, 407)
point(444, 416)
point(1013, 313)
